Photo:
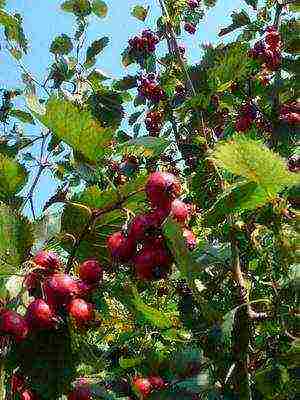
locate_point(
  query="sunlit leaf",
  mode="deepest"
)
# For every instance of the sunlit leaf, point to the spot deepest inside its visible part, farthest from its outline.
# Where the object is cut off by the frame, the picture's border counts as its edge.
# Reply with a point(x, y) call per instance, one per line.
point(99, 8)
point(12, 177)
point(140, 12)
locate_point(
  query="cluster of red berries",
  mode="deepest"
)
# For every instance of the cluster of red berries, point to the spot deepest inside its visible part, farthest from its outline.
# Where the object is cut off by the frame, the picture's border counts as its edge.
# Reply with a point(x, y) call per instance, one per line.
point(290, 113)
point(55, 293)
point(143, 387)
point(150, 89)
point(268, 50)
point(143, 244)
point(192, 6)
point(246, 117)
point(153, 122)
point(141, 46)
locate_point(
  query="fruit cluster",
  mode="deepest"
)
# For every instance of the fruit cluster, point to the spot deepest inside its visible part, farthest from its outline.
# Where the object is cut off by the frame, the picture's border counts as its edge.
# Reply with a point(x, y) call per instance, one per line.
point(153, 122)
point(192, 15)
point(246, 117)
point(150, 89)
point(268, 50)
point(143, 45)
point(142, 244)
point(290, 113)
point(145, 386)
point(55, 295)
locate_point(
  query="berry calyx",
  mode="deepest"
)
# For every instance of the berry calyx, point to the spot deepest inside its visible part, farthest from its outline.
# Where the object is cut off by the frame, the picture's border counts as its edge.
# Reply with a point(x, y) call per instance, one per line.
point(180, 211)
point(142, 386)
point(14, 324)
point(40, 316)
point(91, 271)
point(47, 260)
point(162, 188)
point(120, 246)
point(81, 311)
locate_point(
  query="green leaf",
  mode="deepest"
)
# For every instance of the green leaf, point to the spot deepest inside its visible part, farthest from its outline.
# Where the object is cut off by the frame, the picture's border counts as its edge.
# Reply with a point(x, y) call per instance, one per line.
point(94, 49)
point(126, 83)
point(23, 116)
point(80, 8)
point(76, 127)
point(252, 3)
point(15, 239)
point(255, 162)
point(147, 145)
point(99, 8)
point(140, 12)
point(62, 44)
point(183, 257)
point(126, 363)
point(12, 177)
point(107, 107)
point(239, 197)
point(155, 317)
point(239, 19)
point(96, 77)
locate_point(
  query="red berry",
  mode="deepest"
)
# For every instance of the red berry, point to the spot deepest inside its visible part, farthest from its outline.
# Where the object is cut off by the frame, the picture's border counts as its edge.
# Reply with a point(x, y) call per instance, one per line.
point(292, 118)
point(85, 288)
point(152, 262)
point(81, 311)
point(91, 271)
point(121, 247)
point(32, 282)
point(28, 395)
point(60, 289)
point(142, 386)
point(80, 393)
point(243, 124)
point(157, 382)
point(139, 226)
point(190, 28)
point(14, 324)
point(162, 188)
point(47, 259)
point(39, 315)
point(180, 211)
point(17, 383)
point(190, 239)
point(193, 4)
point(273, 40)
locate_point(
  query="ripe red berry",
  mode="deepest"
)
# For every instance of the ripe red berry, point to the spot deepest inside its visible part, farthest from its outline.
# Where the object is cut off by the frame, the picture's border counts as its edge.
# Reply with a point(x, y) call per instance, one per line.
point(47, 259)
point(120, 246)
point(91, 271)
point(81, 393)
point(85, 288)
point(157, 382)
point(17, 383)
point(14, 324)
point(243, 124)
point(32, 282)
point(190, 239)
point(60, 289)
point(180, 211)
point(152, 262)
point(162, 188)
point(81, 311)
point(28, 395)
point(39, 315)
point(190, 28)
point(142, 386)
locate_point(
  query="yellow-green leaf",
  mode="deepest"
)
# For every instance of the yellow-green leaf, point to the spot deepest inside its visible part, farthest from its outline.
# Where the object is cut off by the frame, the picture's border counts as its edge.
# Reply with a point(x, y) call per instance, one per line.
point(12, 176)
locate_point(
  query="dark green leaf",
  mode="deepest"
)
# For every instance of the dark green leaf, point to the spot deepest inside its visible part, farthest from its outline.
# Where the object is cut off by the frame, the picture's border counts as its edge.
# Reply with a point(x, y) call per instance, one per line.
point(95, 48)
point(239, 19)
point(22, 116)
point(126, 83)
point(62, 44)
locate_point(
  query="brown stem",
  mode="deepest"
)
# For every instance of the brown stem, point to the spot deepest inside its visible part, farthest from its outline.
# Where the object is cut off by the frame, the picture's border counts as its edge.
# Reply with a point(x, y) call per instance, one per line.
point(2, 380)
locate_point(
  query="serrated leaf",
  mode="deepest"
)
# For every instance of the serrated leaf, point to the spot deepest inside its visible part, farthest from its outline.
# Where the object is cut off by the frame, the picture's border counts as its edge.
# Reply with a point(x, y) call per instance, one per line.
point(94, 49)
point(23, 116)
point(239, 19)
point(239, 197)
point(99, 8)
point(126, 83)
point(155, 317)
point(12, 177)
point(255, 162)
point(62, 44)
point(76, 127)
point(15, 239)
point(146, 145)
point(140, 12)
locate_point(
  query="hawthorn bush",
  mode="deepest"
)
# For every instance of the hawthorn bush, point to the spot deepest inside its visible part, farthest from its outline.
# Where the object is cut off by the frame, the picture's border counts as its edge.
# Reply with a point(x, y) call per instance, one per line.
point(164, 267)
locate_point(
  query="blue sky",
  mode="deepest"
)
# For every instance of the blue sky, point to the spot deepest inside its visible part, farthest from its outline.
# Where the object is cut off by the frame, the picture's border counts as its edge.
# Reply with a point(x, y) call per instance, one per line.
point(43, 20)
